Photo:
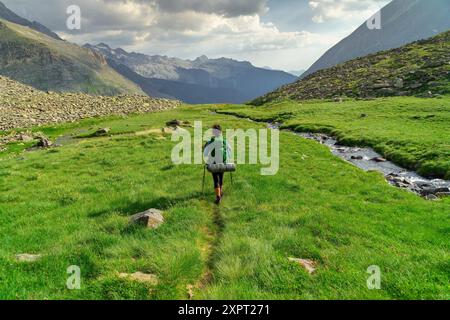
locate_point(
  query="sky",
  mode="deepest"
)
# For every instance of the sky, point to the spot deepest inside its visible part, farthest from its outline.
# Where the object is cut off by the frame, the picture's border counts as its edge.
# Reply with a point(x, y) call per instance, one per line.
point(287, 35)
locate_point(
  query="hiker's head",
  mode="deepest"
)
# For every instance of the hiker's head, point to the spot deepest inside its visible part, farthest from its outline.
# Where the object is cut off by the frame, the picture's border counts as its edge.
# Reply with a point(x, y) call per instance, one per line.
point(217, 130)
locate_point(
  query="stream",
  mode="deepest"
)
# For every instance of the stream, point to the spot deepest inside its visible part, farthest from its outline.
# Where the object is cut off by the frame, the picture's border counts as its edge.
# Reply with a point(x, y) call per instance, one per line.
point(369, 160)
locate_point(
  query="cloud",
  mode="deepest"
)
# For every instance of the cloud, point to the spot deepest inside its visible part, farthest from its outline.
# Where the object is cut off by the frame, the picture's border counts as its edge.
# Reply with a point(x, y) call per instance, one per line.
point(230, 25)
point(189, 28)
point(344, 9)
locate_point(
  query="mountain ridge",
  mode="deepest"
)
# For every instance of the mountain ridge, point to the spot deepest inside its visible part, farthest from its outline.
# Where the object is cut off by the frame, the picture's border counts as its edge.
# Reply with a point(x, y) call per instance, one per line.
point(221, 80)
point(189, 93)
point(402, 22)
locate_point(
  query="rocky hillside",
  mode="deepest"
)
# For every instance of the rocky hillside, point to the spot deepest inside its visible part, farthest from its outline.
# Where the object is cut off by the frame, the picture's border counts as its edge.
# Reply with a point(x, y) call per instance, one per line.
point(402, 22)
point(421, 68)
point(22, 106)
point(202, 80)
point(36, 59)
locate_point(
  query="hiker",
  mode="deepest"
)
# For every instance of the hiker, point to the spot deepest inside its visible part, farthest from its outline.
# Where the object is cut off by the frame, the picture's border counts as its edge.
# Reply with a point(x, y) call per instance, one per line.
point(217, 150)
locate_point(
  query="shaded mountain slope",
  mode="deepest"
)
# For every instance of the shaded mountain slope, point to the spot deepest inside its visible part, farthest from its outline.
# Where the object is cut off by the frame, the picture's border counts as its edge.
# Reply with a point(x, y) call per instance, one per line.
point(36, 59)
point(189, 93)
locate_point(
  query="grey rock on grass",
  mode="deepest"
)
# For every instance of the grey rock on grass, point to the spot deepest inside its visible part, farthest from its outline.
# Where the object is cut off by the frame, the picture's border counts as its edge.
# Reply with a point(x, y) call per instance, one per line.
point(151, 218)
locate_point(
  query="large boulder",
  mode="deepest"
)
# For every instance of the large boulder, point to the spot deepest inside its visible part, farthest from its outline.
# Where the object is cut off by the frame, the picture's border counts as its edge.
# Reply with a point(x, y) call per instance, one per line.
point(151, 218)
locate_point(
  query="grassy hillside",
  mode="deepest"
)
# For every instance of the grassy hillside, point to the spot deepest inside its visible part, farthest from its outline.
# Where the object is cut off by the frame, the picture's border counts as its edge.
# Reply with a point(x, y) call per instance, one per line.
point(421, 68)
point(45, 63)
point(10, 16)
point(72, 205)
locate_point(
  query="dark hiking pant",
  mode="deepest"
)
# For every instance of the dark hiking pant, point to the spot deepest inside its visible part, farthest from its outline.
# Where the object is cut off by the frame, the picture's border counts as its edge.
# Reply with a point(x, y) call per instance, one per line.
point(218, 180)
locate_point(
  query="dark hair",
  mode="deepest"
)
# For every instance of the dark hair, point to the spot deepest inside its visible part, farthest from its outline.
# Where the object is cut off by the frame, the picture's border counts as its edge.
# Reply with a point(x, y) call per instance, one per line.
point(217, 127)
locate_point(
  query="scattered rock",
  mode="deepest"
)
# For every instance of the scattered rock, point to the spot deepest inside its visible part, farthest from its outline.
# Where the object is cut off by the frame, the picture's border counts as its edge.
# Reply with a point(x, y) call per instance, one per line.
point(386, 91)
point(151, 218)
point(422, 184)
point(357, 157)
point(174, 123)
point(381, 85)
point(431, 197)
point(25, 137)
point(177, 123)
point(378, 159)
point(167, 130)
point(308, 265)
point(416, 85)
point(44, 142)
point(26, 257)
point(141, 277)
point(190, 289)
point(443, 194)
point(101, 132)
point(433, 191)
point(399, 83)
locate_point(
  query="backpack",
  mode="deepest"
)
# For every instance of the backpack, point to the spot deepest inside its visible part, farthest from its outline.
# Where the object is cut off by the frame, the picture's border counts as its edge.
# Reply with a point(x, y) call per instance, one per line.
point(223, 148)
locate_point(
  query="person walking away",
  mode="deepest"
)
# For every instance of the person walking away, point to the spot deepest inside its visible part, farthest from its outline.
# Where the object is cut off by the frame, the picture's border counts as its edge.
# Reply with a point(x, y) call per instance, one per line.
point(217, 151)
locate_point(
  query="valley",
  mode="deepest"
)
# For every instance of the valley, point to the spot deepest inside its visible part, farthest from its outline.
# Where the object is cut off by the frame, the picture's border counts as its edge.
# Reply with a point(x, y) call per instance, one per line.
point(198, 81)
point(80, 196)
point(95, 203)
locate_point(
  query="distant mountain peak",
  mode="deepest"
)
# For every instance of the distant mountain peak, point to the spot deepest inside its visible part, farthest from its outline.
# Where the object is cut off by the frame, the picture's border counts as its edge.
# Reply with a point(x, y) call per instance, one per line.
point(103, 46)
point(202, 58)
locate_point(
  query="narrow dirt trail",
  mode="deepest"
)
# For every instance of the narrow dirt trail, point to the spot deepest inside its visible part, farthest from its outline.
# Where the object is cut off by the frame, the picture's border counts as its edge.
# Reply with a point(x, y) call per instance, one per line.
point(210, 251)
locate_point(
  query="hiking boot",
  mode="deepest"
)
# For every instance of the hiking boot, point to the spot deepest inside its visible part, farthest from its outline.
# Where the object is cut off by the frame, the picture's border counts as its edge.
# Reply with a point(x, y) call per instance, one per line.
point(218, 200)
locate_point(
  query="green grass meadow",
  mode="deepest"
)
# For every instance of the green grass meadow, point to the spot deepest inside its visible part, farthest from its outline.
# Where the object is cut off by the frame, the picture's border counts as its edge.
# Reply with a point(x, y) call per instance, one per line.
point(72, 205)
